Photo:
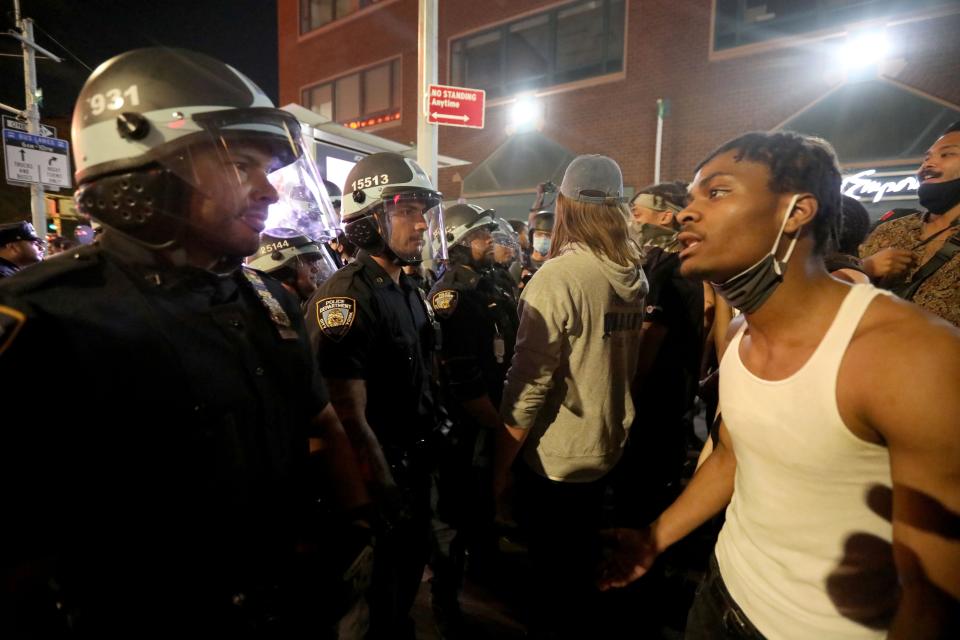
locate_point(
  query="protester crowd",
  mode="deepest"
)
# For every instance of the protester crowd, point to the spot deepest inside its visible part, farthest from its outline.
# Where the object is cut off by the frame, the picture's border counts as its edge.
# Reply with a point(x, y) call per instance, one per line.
point(275, 430)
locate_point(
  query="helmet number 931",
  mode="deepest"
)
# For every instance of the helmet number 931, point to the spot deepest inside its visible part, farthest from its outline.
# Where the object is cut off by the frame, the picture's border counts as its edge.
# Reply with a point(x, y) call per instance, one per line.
point(370, 181)
point(113, 99)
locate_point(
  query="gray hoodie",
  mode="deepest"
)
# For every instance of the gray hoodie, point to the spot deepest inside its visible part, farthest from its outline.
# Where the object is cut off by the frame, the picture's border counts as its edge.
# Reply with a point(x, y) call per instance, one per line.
point(576, 355)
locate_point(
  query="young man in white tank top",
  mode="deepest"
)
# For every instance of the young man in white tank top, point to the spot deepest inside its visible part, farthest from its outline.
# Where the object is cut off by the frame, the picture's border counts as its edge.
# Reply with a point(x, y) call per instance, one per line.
point(838, 459)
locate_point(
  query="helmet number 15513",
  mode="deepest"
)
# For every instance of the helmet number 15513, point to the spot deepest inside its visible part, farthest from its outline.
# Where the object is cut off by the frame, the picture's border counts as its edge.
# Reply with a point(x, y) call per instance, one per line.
point(370, 181)
point(113, 99)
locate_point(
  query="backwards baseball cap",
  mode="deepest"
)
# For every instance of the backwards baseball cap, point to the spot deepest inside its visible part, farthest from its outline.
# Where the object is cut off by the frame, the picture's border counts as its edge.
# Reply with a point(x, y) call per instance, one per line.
point(593, 178)
point(17, 231)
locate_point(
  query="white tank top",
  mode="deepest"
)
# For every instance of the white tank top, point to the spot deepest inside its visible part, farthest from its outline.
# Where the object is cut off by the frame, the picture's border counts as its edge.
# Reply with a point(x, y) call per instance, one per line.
point(799, 492)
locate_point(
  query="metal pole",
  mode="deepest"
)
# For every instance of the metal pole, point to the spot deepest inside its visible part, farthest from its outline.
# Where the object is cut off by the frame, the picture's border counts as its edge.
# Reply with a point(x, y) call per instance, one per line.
point(426, 75)
point(38, 209)
point(656, 160)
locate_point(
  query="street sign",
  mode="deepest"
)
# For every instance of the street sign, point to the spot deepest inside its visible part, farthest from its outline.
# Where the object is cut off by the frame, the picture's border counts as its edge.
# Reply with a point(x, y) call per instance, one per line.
point(456, 106)
point(31, 159)
point(46, 130)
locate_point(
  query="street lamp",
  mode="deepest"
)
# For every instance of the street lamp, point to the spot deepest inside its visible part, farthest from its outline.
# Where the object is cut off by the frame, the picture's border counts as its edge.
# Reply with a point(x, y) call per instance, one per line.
point(864, 49)
point(525, 114)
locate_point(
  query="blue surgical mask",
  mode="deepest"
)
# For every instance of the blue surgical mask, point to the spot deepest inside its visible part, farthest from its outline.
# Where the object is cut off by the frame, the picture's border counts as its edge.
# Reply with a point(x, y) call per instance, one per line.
point(541, 245)
point(749, 289)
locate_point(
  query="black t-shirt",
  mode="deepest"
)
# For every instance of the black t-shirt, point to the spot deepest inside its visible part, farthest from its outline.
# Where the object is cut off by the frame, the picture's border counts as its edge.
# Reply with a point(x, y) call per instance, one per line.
point(676, 303)
point(365, 327)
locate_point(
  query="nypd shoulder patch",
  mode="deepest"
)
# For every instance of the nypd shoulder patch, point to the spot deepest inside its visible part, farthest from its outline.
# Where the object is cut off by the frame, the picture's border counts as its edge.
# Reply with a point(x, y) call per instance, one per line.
point(335, 316)
point(445, 302)
point(11, 321)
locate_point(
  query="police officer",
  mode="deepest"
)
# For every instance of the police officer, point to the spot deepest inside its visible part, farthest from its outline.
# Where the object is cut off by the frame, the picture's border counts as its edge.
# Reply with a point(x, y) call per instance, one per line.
point(173, 486)
point(479, 326)
point(375, 338)
point(20, 247)
point(507, 265)
point(293, 259)
point(541, 232)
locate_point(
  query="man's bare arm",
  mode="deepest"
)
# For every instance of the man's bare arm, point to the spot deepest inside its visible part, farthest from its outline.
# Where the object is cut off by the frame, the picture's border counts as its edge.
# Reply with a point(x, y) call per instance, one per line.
point(708, 493)
point(337, 460)
point(349, 398)
point(920, 422)
point(482, 410)
point(634, 551)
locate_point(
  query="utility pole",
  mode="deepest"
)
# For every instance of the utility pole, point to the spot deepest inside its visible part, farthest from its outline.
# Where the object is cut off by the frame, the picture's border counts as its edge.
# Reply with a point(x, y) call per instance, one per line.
point(426, 75)
point(38, 208)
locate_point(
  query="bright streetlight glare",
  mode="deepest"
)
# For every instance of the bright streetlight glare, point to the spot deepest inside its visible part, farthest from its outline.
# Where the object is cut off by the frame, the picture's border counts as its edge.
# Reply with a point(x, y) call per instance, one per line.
point(864, 49)
point(525, 112)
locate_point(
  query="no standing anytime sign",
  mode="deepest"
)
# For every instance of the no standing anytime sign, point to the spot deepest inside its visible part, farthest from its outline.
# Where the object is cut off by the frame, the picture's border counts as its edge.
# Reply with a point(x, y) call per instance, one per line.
point(456, 106)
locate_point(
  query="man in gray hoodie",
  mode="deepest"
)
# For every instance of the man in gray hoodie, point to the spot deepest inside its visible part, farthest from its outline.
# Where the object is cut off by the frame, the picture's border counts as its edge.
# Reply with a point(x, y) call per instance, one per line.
point(566, 403)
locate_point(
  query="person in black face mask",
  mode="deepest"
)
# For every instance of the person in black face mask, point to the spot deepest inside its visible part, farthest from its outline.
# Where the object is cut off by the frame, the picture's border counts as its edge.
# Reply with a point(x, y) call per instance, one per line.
point(818, 444)
point(918, 256)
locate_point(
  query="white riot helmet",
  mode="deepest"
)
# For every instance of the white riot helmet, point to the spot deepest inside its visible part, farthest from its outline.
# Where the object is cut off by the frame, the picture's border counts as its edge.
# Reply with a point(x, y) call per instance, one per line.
point(459, 221)
point(138, 125)
point(385, 198)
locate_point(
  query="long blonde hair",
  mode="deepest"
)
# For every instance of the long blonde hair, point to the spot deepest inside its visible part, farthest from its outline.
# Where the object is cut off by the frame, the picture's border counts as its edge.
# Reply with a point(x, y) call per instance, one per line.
point(601, 227)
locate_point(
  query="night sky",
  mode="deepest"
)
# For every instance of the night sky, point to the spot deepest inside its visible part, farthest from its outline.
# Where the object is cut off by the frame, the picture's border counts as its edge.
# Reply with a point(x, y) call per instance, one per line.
point(242, 33)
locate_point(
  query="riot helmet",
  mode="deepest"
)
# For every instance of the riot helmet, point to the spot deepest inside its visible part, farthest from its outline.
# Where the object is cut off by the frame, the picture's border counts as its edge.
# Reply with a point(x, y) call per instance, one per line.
point(390, 208)
point(541, 232)
point(158, 129)
point(506, 243)
point(464, 223)
point(293, 258)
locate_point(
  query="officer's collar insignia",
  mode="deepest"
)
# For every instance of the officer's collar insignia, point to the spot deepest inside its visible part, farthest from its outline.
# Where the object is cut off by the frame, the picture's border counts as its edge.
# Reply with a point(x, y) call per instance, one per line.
point(278, 316)
point(335, 316)
point(11, 321)
point(445, 302)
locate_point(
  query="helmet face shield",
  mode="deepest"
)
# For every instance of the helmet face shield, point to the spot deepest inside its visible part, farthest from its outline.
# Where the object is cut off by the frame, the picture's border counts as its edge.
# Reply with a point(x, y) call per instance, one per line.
point(224, 148)
point(506, 243)
point(408, 219)
point(303, 202)
point(317, 267)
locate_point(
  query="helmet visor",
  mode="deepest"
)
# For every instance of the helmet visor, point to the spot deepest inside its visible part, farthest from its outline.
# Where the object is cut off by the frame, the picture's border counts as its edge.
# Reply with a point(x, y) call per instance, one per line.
point(237, 155)
point(506, 243)
point(303, 203)
point(409, 219)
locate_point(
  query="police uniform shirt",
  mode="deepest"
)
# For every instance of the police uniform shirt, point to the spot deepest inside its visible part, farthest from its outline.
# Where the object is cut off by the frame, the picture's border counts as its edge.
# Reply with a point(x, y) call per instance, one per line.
point(479, 327)
point(366, 327)
point(153, 418)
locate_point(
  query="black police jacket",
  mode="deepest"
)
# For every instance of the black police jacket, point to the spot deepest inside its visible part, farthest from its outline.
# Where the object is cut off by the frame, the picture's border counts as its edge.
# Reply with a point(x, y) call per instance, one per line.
point(479, 326)
point(154, 440)
point(7, 268)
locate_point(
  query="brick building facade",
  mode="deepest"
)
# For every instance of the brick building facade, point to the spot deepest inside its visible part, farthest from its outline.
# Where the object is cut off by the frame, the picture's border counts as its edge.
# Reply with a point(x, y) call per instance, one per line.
point(718, 84)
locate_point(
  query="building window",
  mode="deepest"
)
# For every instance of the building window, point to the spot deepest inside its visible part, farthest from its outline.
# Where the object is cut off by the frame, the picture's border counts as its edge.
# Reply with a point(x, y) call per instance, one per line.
point(316, 13)
point(362, 99)
point(567, 43)
point(743, 22)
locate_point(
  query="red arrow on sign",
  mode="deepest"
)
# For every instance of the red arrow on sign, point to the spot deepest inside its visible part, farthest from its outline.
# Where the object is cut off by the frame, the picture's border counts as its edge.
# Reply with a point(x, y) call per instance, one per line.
point(456, 106)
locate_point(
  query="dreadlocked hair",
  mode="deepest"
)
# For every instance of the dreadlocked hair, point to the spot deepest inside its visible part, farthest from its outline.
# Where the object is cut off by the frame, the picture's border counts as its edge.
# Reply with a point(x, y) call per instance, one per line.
point(797, 164)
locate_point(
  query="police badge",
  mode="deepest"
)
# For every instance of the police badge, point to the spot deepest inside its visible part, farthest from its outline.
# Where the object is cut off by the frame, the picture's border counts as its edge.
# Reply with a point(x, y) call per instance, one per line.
point(445, 302)
point(335, 316)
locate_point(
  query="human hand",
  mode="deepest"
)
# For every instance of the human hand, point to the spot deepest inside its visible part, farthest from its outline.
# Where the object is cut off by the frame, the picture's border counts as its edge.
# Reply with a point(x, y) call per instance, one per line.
point(628, 554)
point(888, 263)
